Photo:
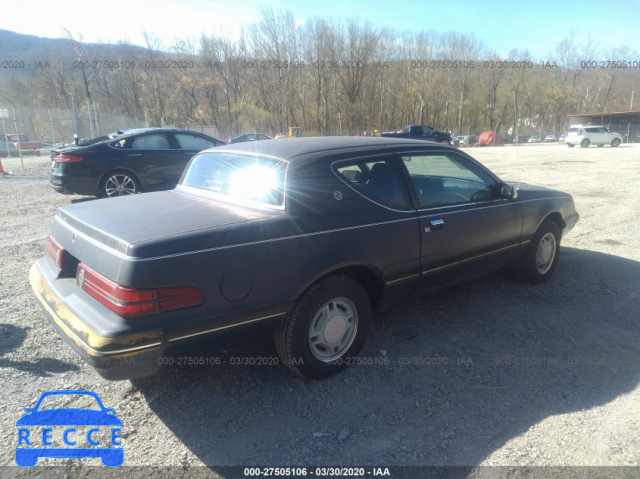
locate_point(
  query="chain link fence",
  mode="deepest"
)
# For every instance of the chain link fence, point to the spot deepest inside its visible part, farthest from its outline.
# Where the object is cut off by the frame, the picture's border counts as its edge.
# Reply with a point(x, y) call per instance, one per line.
point(52, 126)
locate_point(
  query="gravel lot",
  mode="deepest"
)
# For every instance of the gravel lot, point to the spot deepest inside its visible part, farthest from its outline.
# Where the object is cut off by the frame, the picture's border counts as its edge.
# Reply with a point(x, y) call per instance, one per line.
point(501, 373)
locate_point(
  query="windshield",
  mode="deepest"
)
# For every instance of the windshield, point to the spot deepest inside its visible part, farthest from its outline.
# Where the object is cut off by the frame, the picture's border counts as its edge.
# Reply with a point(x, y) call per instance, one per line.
point(239, 177)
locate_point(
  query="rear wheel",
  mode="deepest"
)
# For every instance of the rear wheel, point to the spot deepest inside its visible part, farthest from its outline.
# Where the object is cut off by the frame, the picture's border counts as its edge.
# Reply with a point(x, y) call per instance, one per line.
point(541, 256)
point(326, 328)
point(571, 145)
point(615, 142)
point(585, 143)
point(445, 142)
point(600, 145)
point(119, 183)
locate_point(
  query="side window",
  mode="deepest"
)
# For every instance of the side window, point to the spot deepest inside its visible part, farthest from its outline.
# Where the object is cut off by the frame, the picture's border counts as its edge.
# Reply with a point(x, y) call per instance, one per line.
point(444, 179)
point(192, 142)
point(591, 130)
point(156, 141)
point(377, 180)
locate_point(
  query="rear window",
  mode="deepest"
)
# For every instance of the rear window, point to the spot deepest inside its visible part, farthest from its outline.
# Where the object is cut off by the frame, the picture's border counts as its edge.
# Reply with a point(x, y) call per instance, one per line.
point(238, 177)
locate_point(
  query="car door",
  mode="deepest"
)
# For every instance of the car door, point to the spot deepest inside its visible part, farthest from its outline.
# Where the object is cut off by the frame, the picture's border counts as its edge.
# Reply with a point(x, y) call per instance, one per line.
point(604, 136)
point(156, 164)
point(467, 227)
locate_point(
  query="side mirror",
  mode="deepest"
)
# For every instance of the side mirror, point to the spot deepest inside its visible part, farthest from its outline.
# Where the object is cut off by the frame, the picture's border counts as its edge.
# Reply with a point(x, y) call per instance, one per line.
point(508, 192)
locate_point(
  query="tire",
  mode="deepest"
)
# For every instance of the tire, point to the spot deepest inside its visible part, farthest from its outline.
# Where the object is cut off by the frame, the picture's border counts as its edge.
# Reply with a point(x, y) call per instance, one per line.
point(119, 183)
point(616, 142)
point(541, 256)
point(600, 145)
point(571, 145)
point(585, 143)
point(327, 327)
point(445, 142)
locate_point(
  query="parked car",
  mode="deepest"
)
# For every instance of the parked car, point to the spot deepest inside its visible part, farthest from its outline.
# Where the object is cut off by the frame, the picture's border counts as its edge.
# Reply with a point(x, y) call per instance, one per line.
point(591, 134)
point(12, 145)
point(551, 139)
point(298, 241)
point(126, 162)
point(249, 137)
point(534, 139)
point(421, 132)
point(468, 140)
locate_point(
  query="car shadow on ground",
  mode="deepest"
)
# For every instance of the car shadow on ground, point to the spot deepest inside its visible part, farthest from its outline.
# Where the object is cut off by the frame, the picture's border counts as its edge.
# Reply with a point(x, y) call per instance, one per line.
point(445, 380)
point(11, 339)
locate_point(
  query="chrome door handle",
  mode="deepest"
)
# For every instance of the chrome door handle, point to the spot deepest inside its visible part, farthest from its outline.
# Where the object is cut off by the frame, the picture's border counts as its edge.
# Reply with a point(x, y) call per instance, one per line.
point(436, 224)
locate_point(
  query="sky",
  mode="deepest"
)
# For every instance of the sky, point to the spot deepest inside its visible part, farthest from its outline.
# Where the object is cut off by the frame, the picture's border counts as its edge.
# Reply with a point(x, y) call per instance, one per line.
point(501, 25)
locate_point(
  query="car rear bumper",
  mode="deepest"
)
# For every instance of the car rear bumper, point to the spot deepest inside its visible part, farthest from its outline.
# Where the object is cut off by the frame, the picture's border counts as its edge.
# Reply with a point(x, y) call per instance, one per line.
point(117, 352)
point(66, 183)
point(114, 358)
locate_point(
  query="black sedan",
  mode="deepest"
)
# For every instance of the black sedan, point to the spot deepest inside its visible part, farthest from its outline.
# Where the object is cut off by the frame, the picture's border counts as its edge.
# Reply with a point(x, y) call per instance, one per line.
point(126, 162)
point(249, 137)
point(299, 241)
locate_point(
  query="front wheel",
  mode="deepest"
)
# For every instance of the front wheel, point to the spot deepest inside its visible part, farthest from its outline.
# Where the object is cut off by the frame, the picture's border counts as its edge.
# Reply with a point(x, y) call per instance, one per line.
point(326, 328)
point(119, 183)
point(445, 142)
point(541, 256)
point(585, 143)
point(615, 142)
point(571, 145)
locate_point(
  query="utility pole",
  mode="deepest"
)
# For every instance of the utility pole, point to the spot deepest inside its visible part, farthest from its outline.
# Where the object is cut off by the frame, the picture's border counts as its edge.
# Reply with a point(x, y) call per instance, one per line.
point(515, 113)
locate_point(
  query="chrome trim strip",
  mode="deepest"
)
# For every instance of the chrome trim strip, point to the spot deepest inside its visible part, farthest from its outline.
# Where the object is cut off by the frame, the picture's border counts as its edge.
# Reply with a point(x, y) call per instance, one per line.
point(200, 333)
point(402, 279)
point(251, 243)
point(503, 202)
point(128, 350)
point(470, 259)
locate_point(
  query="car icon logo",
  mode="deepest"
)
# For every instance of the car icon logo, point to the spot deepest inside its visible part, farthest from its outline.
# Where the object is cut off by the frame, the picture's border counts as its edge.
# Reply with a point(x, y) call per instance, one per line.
point(69, 432)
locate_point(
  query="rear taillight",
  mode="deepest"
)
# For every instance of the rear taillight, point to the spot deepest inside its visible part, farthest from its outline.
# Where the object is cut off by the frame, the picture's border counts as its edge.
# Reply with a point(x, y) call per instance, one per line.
point(62, 158)
point(126, 301)
point(54, 250)
point(579, 131)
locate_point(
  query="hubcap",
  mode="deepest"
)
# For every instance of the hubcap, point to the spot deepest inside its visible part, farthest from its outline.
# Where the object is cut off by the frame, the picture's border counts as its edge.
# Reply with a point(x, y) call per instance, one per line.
point(333, 329)
point(546, 253)
point(119, 185)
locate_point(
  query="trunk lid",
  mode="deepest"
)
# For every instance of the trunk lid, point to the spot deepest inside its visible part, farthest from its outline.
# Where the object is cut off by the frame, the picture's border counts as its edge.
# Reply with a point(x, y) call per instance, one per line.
point(105, 233)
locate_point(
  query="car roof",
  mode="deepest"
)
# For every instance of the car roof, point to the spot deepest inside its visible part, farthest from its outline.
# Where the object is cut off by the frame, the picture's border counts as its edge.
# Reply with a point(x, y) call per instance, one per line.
point(292, 148)
point(137, 131)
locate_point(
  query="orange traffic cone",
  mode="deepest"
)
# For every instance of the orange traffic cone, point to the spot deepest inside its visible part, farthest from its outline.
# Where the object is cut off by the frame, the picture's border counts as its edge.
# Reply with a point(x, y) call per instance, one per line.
point(2, 172)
